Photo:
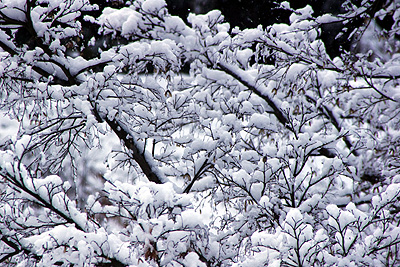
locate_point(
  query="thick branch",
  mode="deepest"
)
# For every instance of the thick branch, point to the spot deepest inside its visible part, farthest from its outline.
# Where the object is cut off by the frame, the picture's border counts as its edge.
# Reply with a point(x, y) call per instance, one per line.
point(331, 117)
point(276, 110)
point(11, 245)
point(138, 154)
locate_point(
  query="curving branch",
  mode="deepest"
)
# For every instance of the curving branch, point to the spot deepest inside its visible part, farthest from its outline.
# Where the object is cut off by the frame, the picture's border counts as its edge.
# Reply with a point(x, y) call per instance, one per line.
point(276, 110)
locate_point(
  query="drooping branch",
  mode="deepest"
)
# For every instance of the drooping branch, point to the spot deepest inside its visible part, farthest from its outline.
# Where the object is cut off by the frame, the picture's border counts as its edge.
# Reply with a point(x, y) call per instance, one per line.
point(277, 111)
point(279, 114)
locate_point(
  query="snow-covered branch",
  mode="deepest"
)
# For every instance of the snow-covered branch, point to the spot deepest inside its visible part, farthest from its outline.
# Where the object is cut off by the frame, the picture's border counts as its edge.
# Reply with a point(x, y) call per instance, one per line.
point(130, 136)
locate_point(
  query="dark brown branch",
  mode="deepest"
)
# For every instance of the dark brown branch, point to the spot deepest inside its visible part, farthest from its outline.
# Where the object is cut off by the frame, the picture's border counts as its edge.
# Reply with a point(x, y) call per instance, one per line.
point(137, 154)
point(329, 115)
point(276, 110)
point(11, 245)
point(204, 167)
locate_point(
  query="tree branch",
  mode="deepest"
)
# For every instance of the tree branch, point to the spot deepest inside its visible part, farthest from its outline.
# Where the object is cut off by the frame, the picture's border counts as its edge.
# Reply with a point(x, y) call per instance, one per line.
point(276, 110)
point(137, 153)
point(204, 167)
point(11, 245)
point(331, 117)
point(48, 205)
point(116, 126)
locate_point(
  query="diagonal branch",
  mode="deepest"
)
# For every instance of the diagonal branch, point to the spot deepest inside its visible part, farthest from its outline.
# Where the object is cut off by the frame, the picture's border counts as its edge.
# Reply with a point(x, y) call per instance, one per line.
point(12, 245)
point(204, 167)
point(331, 117)
point(39, 199)
point(50, 206)
point(137, 153)
point(276, 110)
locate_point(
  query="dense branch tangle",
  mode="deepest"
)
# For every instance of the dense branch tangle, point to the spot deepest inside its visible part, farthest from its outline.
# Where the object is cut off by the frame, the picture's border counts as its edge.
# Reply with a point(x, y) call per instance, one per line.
point(63, 76)
point(257, 159)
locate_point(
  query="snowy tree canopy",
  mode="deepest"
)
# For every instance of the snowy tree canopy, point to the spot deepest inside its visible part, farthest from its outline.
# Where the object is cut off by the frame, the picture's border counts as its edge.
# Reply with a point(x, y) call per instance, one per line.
point(267, 152)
